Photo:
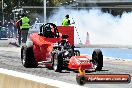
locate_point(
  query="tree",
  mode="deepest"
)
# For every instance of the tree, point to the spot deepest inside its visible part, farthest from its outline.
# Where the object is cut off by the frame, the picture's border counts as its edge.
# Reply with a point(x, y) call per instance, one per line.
point(13, 4)
point(59, 2)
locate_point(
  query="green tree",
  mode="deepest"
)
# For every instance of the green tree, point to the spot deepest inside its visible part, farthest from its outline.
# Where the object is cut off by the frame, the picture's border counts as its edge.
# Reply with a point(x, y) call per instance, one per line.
point(12, 4)
point(58, 2)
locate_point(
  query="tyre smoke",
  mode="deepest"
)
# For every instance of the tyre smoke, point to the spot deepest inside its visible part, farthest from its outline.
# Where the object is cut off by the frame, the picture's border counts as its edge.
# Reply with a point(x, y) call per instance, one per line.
point(103, 28)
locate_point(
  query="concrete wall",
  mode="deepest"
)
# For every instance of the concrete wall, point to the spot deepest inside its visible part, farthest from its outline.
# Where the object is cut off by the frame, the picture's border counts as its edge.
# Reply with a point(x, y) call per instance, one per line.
point(8, 81)
point(13, 79)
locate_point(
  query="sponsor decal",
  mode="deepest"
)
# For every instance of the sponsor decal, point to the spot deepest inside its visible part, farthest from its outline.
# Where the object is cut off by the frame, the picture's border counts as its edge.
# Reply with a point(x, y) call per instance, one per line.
point(103, 78)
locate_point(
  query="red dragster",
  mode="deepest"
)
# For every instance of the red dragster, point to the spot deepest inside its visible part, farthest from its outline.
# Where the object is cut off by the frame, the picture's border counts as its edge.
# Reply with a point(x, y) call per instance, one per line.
point(54, 46)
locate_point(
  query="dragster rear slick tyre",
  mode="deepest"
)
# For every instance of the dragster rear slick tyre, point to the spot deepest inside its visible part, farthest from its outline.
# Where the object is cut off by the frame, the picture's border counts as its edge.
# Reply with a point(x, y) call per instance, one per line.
point(58, 62)
point(97, 58)
point(27, 57)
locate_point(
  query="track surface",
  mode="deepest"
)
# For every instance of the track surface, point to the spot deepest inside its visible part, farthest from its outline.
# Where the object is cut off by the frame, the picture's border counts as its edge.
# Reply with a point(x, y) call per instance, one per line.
point(10, 59)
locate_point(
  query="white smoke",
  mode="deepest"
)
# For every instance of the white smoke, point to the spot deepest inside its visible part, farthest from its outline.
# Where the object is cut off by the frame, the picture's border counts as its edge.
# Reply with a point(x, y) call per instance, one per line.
point(103, 28)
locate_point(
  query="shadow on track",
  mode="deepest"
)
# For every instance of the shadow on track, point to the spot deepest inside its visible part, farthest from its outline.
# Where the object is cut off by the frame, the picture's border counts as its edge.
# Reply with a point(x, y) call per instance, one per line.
point(87, 71)
point(14, 44)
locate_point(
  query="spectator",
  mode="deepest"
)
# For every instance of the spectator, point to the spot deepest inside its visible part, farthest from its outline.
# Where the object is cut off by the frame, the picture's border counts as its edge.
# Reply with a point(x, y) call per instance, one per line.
point(24, 27)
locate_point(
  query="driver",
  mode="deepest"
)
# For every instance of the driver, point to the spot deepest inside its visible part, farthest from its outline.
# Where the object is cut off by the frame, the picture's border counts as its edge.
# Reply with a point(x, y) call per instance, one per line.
point(49, 31)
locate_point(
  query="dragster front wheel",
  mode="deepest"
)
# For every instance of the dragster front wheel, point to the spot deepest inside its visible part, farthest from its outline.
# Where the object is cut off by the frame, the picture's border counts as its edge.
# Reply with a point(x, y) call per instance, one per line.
point(97, 59)
point(58, 62)
point(77, 52)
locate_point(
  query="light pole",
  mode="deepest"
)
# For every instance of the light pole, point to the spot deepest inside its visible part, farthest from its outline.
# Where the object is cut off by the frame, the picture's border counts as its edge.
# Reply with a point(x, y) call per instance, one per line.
point(2, 12)
point(44, 3)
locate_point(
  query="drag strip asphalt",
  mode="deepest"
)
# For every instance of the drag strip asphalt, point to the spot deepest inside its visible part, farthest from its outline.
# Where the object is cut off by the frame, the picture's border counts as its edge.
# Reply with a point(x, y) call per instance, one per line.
point(10, 59)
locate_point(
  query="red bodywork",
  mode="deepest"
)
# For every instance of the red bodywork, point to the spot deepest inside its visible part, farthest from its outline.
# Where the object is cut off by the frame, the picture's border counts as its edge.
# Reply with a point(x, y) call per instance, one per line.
point(76, 61)
point(68, 30)
point(43, 46)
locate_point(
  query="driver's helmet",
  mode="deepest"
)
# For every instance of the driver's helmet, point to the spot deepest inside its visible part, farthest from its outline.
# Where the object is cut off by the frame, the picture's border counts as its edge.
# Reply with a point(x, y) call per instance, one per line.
point(48, 28)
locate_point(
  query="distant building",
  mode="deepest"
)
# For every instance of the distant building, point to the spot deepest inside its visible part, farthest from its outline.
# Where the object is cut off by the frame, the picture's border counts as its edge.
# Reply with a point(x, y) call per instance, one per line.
point(103, 1)
point(123, 3)
point(115, 7)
